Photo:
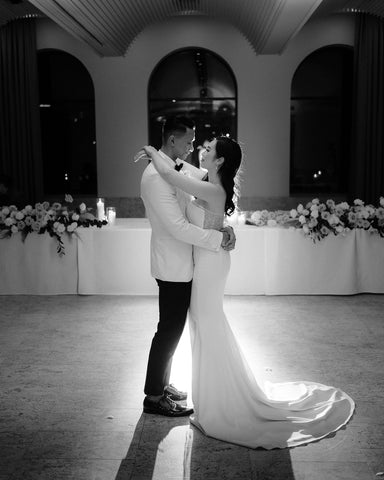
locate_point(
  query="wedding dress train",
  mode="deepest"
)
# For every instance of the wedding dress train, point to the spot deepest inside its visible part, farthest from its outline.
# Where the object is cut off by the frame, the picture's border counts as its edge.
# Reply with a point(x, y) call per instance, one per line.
point(229, 403)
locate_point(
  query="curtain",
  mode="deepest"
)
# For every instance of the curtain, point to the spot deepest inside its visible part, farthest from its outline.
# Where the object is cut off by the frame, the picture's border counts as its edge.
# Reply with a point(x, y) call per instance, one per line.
point(20, 140)
point(367, 168)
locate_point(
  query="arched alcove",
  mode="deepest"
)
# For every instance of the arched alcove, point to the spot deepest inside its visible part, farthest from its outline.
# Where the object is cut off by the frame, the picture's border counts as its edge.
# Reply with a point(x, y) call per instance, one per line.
point(67, 112)
point(194, 82)
point(321, 102)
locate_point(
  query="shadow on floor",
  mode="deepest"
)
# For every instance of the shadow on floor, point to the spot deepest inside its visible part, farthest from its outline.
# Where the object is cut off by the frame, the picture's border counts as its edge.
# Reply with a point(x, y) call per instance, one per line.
point(163, 448)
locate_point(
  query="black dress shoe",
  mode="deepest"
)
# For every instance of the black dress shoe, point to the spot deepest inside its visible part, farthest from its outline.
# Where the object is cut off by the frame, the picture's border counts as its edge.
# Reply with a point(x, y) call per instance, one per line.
point(175, 394)
point(165, 406)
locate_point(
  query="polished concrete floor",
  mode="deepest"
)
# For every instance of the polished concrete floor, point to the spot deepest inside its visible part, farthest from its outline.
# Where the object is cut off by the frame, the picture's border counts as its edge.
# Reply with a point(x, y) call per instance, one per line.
point(72, 370)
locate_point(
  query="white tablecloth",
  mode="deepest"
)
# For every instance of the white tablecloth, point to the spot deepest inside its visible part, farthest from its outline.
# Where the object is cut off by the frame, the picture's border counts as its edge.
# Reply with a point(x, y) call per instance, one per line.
point(116, 260)
point(266, 261)
point(33, 267)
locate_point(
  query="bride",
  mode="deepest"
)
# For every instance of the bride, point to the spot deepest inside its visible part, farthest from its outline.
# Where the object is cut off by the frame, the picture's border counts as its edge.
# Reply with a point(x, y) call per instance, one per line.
point(230, 404)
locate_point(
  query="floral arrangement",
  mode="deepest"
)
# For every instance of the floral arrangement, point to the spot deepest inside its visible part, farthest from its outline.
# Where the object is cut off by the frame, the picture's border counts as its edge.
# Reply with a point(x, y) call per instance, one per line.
point(318, 220)
point(56, 219)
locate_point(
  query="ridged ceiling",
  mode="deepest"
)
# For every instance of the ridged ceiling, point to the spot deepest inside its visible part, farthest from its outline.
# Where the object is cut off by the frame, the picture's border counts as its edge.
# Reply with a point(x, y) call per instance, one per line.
point(110, 26)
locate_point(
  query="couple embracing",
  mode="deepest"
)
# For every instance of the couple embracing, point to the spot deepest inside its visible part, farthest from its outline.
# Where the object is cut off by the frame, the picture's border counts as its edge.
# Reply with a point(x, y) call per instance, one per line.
point(190, 260)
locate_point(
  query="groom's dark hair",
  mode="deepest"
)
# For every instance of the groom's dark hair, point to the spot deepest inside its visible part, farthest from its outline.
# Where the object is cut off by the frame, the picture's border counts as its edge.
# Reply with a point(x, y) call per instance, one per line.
point(176, 125)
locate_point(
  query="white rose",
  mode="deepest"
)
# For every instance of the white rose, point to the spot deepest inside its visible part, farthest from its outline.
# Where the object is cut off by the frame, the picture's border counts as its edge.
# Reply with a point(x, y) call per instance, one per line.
point(271, 223)
point(339, 211)
point(255, 217)
point(75, 217)
point(82, 207)
point(60, 228)
point(339, 229)
point(302, 219)
point(72, 227)
point(324, 230)
point(5, 211)
point(314, 213)
point(343, 205)
point(55, 225)
point(305, 212)
point(333, 220)
point(370, 209)
point(300, 208)
point(357, 201)
point(293, 213)
point(312, 223)
point(14, 229)
point(9, 221)
point(305, 229)
point(27, 208)
point(382, 201)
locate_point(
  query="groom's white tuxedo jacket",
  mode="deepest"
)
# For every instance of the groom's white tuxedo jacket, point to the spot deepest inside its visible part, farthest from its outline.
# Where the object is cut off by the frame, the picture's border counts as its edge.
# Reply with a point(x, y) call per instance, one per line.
point(172, 235)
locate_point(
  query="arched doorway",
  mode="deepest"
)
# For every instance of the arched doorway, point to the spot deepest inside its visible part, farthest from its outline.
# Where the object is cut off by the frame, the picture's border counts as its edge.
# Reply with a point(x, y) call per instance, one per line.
point(198, 83)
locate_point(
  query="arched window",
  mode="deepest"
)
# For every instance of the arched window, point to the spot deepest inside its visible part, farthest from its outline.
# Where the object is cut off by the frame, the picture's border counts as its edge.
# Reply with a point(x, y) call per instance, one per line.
point(67, 112)
point(321, 101)
point(198, 83)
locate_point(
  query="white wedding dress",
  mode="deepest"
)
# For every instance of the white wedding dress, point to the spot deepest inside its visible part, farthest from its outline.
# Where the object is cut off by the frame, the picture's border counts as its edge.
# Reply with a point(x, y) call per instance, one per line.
point(229, 403)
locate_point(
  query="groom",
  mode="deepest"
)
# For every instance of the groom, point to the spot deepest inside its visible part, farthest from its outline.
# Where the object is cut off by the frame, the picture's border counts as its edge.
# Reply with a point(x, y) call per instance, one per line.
point(172, 263)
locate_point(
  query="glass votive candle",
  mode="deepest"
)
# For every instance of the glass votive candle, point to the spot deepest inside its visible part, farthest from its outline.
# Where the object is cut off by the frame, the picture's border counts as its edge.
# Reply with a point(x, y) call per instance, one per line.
point(111, 215)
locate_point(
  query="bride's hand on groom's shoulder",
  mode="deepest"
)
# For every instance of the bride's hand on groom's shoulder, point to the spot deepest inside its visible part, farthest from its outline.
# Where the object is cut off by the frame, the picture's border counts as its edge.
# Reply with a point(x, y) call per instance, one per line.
point(140, 155)
point(145, 152)
point(229, 238)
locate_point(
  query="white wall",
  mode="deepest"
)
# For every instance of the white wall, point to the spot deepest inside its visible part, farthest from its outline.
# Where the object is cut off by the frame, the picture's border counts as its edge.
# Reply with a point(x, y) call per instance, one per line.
point(264, 84)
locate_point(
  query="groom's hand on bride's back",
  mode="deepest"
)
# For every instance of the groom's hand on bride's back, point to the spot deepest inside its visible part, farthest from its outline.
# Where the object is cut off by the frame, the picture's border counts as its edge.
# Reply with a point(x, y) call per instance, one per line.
point(229, 238)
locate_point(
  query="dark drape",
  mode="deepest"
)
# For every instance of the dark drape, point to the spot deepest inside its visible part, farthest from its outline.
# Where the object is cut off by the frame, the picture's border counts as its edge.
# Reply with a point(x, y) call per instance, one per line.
point(20, 141)
point(367, 169)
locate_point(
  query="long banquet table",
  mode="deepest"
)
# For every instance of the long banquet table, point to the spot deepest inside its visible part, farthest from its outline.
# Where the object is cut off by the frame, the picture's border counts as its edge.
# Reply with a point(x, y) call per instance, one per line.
point(266, 261)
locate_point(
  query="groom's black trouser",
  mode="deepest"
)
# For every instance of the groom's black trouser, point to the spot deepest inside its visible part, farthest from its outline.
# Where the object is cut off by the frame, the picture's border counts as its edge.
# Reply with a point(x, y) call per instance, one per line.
point(174, 299)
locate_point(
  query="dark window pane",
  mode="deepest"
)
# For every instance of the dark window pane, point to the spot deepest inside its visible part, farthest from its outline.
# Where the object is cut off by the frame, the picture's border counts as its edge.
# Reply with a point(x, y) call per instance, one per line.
point(197, 83)
point(321, 122)
point(67, 110)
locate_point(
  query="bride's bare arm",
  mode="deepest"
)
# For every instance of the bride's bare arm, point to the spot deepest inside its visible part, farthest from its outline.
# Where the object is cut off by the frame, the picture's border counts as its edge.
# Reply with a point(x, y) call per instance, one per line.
point(202, 190)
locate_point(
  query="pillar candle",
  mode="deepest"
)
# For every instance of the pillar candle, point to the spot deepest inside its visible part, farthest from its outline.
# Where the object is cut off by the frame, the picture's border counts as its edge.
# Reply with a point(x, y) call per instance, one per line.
point(100, 209)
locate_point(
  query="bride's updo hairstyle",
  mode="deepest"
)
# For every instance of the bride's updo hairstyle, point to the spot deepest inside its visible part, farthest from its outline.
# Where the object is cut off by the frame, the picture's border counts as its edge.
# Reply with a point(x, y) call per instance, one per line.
point(230, 150)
